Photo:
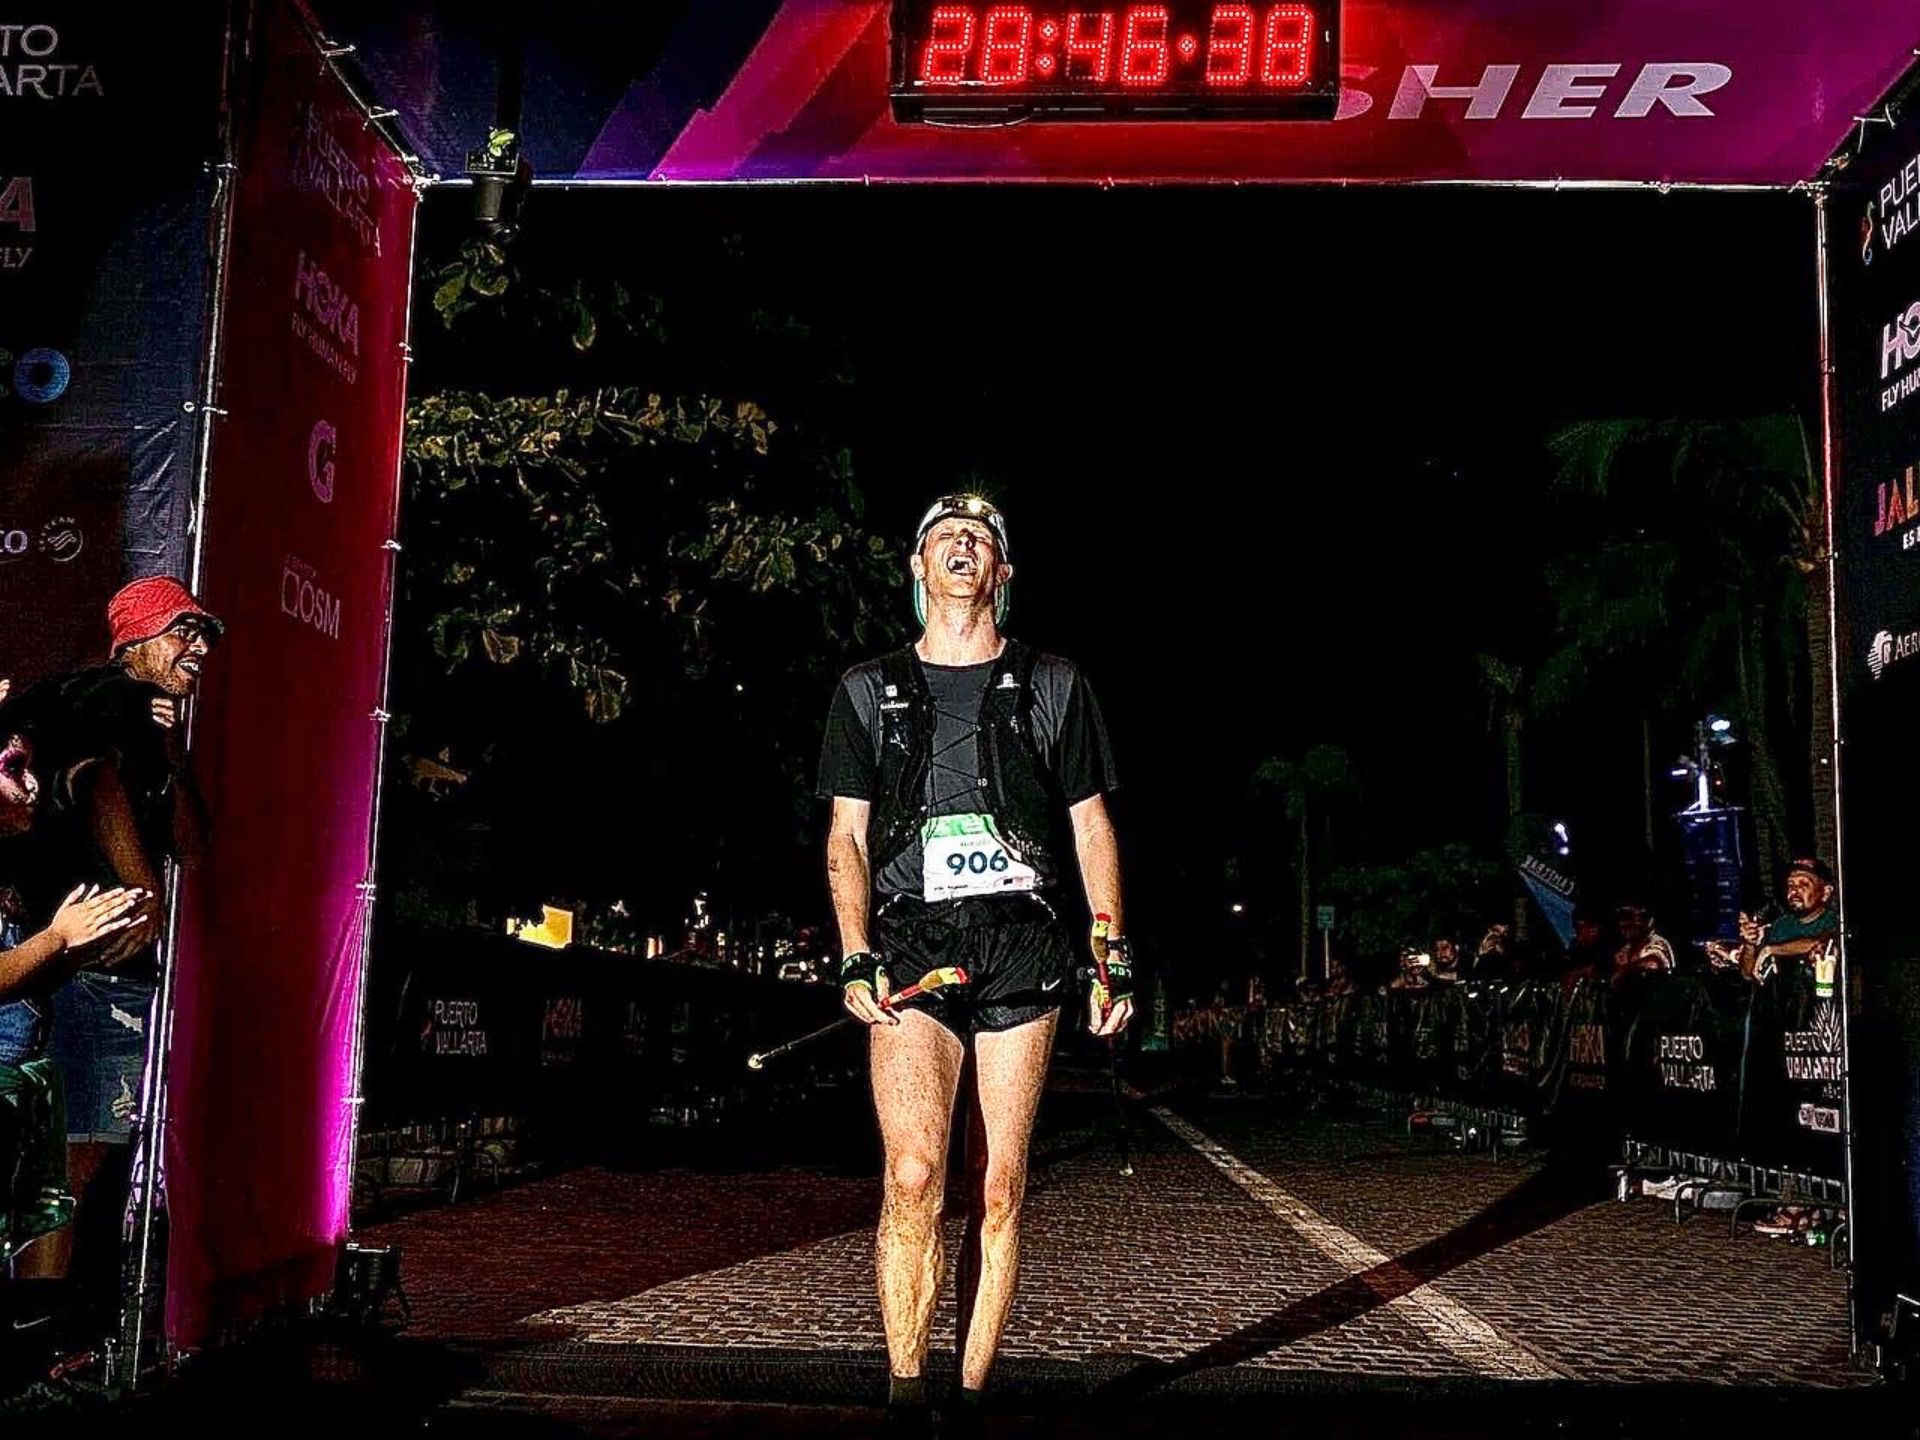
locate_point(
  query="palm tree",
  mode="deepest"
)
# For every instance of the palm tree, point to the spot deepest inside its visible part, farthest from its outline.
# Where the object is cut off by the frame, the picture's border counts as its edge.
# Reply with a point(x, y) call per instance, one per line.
point(1309, 788)
point(1721, 593)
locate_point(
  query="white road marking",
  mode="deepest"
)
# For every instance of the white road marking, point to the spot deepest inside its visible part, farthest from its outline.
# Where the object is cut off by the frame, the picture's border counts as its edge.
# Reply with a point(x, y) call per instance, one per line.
point(1438, 1316)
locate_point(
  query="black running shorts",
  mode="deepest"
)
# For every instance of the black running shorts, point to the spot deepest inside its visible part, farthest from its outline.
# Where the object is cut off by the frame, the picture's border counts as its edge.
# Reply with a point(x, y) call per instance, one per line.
point(1018, 958)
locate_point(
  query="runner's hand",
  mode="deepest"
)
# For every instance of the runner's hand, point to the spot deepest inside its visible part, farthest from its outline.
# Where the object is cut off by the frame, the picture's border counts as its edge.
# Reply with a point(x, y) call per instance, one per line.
point(89, 914)
point(1116, 1020)
point(859, 995)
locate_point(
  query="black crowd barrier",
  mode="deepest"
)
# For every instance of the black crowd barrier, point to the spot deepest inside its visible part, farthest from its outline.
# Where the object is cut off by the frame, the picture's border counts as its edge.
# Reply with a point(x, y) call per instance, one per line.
point(1711, 1064)
point(589, 1048)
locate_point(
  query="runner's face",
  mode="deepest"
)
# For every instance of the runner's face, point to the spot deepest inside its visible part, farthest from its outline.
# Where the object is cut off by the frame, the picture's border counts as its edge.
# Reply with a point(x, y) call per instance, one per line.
point(19, 789)
point(959, 561)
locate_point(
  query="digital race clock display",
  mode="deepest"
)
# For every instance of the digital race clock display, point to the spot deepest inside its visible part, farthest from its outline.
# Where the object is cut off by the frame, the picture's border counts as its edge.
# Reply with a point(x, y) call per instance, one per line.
point(1180, 60)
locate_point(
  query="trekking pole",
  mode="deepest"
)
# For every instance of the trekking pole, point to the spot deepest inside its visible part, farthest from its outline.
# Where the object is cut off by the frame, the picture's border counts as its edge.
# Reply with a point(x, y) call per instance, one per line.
point(926, 984)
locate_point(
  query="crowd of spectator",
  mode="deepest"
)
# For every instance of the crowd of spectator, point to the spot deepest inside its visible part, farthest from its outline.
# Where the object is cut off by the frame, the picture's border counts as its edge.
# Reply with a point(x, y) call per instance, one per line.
point(96, 803)
point(1608, 946)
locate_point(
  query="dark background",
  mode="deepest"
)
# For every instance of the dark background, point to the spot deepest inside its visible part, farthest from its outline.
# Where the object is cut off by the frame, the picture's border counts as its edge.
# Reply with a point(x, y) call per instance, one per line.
point(1274, 462)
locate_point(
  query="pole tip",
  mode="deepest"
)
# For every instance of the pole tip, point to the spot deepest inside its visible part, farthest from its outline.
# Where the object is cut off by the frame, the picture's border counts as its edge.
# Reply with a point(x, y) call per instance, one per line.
point(754, 1062)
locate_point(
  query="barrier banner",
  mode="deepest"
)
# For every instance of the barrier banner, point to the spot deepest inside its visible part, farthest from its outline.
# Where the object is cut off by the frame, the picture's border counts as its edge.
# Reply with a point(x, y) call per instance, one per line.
point(303, 502)
point(1873, 300)
point(1712, 1064)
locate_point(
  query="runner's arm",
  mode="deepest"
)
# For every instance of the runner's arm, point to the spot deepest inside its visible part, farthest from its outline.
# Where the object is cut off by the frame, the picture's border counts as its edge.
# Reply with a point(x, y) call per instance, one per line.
point(848, 874)
point(1099, 851)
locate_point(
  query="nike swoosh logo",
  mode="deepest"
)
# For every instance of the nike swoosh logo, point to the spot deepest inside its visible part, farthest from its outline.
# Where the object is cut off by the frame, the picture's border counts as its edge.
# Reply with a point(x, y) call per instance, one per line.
point(1051, 984)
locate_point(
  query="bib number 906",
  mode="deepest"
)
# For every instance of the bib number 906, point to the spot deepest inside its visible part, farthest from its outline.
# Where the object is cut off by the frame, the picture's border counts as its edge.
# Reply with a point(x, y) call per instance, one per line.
point(978, 862)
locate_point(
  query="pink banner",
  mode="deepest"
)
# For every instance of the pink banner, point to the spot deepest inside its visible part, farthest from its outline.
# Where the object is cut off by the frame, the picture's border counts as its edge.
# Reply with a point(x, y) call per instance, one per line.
point(303, 502)
point(1718, 91)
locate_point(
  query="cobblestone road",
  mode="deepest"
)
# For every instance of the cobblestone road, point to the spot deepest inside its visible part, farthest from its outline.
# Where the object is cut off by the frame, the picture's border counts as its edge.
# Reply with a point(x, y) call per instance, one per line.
point(1249, 1243)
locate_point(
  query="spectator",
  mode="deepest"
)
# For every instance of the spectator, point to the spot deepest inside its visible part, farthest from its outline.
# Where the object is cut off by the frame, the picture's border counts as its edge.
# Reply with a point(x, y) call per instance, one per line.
point(1494, 958)
point(1227, 1020)
point(1339, 982)
point(1446, 961)
point(1643, 950)
point(1256, 1025)
point(118, 805)
point(32, 966)
point(1811, 923)
point(1414, 965)
point(34, 1192)
point(1590, 955)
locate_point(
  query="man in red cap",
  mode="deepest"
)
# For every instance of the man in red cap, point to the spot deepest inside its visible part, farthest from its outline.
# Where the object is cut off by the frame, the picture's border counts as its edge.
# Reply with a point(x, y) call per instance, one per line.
point(119, 803)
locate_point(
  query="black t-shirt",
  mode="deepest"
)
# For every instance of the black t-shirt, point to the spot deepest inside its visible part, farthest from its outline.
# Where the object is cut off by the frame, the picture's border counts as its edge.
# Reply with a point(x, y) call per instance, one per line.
point(1068, 732)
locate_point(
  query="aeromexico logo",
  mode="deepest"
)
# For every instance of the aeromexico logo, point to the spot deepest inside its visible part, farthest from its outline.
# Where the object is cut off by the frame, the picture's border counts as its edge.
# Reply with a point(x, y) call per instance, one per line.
point(1889, 649)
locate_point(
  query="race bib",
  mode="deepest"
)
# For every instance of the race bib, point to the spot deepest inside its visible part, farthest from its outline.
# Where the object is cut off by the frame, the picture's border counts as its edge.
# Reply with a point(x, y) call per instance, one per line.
point(965, 856)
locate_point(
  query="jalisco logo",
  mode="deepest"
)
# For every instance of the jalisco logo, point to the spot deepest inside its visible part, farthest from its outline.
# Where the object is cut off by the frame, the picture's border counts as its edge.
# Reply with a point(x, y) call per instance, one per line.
point(326, 318)
point(1894, 505)
point(1888, 650)
point(303, 599)
point(29, 69)
point(1894, 213)
point(1899, 348)
point(320, 453)
point(319, 163)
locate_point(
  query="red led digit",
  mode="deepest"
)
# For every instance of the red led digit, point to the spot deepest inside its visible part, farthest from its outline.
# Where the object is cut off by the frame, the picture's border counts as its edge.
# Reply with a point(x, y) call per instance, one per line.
point(1230, 45)
point(949, 43)
point(1009, 45)
point(1144, 59)
point(1090, 46)
point(1287, 56)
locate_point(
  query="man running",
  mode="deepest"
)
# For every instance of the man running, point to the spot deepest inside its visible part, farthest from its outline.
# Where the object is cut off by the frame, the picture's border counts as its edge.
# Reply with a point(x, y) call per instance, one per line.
point(950, 764)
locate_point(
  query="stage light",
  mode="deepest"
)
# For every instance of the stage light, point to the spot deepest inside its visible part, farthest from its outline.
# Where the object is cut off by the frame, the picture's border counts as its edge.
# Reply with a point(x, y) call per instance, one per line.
point(1238, 908)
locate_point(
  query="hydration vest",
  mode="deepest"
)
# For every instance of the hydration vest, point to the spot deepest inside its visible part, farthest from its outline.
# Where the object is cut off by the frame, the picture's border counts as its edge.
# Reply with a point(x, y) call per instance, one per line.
point(1016, 787)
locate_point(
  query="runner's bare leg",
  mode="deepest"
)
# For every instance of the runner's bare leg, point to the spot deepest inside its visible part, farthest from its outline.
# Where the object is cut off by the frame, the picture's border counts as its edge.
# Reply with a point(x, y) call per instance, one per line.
point(916, 1070)
point(1012, 1070)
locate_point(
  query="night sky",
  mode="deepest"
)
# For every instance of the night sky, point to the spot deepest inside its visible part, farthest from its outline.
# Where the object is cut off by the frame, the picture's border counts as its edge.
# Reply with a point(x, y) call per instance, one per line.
point(1272, 458)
